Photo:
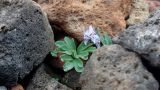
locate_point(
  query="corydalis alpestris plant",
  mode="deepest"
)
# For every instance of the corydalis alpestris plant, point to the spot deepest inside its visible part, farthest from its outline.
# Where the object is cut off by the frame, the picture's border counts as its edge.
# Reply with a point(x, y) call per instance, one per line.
point(71, 55)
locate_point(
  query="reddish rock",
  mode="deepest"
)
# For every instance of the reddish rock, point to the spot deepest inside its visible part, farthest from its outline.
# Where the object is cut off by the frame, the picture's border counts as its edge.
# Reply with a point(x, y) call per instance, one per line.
point(74, 16)
point(153, 4)
point(18, 87)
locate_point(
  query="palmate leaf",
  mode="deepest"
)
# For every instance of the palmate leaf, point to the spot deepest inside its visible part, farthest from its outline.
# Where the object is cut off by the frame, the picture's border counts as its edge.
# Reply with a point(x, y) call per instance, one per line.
point(63, 48)
point(54, 53)
point(83, 55)
point(84, 50)
point(59, 44)
point(79, 69)
point(66, 58)
point(90, 49)
point(78, 65)
point(68, 66)
point(78, 62)
point(70, 43)
point(82, 47)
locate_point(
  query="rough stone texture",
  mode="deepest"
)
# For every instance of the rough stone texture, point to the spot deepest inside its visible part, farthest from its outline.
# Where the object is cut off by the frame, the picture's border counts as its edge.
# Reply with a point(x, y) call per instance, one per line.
point(17, 87)
point(43, 81)
point(143, 39)
point(153, 4)
point(71, 79)
point(3, 88)
point(114, 68)
point(42, 1)
point(75, 16)
point(25, 39)
point(139, 12)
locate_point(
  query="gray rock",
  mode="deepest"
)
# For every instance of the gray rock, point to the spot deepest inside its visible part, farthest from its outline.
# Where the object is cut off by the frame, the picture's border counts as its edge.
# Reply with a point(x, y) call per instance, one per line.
point(143, 39)
point(25, 39)
point(43, 81)
point(3, 88)
point(139, 12)
point(42, 1)
point(71, 79)
point(114, 68)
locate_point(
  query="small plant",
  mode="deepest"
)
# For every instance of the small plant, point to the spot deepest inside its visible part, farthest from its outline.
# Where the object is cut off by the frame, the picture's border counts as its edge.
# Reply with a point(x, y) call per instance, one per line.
point(106, 40)
point(72, 55)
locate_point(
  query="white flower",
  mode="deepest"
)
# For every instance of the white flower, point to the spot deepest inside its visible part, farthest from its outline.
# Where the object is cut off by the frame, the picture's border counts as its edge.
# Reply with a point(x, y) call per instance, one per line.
point(90, 35)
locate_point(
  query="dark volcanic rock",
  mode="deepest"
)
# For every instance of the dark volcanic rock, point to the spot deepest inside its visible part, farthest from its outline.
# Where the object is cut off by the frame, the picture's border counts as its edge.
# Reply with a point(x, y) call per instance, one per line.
point(25, 39)
point(71, 79)
point(143, 39)
point(43, 81)
point(114, 68)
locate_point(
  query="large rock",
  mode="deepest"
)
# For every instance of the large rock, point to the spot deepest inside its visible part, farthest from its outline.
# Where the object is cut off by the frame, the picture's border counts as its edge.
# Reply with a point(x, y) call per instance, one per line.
point(143, 39)
point(43, 81)
point(114, 68)
point(139, 12)
point(74, 16)
point(25, 39)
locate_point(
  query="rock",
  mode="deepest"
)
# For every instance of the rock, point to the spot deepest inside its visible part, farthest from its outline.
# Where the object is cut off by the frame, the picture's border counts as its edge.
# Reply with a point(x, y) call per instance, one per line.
point(25, 39)
point(3, 88)
point(71, 79)
point(153, 4)
point(139, 12)
point(42, 1)
point(143, 39)
point(74, 16)
point(17, 87)
point(114, 68)
point(43, 81)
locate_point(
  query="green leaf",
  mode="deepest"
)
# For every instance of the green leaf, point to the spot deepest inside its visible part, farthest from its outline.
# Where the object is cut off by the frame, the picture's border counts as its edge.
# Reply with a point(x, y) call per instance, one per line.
point(79, 69)
point(66, 50)
point(66, 58)
point(68, 66)
point(78, 65)
point(54, 53)
point(70, 43)
point(75, 54)
point(90, 49)
point(82, 47)
point(84, 50)
point(59, 43)
point(83, 55)
point(106, 40)
point(78, 62)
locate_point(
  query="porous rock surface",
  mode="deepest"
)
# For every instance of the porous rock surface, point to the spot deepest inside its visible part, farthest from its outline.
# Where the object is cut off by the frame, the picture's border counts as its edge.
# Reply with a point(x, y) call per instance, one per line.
point(153, 5)
point(144, 39)
point(139, 12)
point(25, 39)
point(114, 68)
point(43, 81)
point(75, 16)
